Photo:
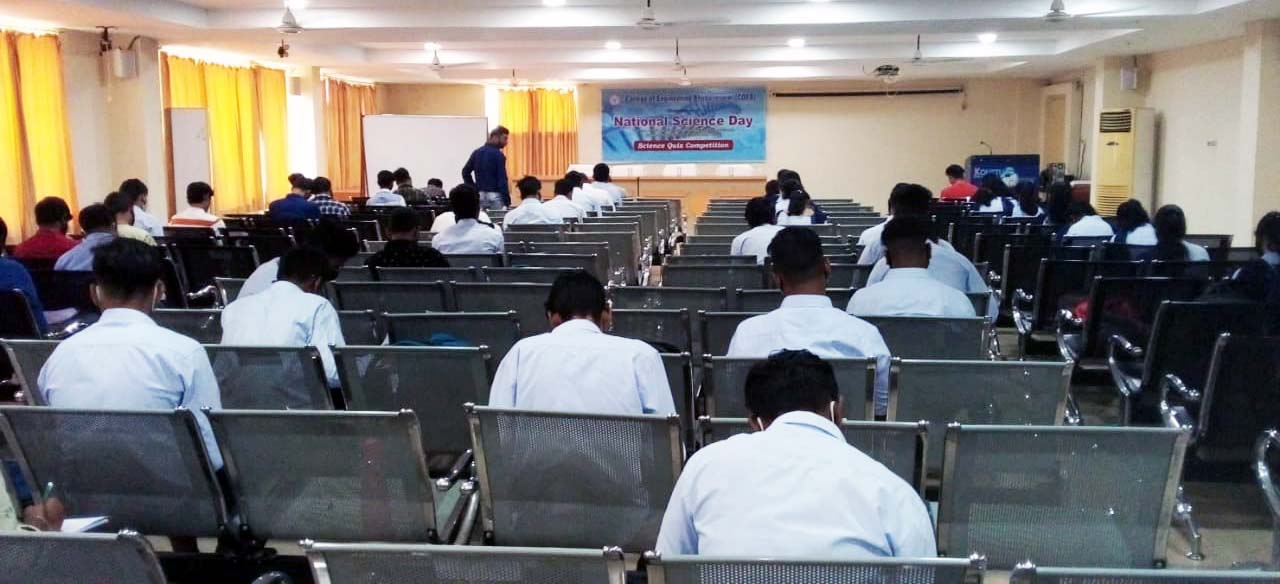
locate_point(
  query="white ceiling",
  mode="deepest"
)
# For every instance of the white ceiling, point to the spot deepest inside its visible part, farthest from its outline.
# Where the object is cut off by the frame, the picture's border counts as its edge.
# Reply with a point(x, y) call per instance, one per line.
point(730, 40)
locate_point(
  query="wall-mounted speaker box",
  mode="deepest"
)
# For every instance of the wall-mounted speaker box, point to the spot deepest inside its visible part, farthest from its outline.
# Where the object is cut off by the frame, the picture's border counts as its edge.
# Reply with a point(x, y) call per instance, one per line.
point(1129, 78)
point(295, 85)
point(123, 63)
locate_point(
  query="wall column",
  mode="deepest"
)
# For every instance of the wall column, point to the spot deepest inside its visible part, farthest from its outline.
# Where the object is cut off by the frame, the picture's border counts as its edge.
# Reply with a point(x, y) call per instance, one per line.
point(1259, 169)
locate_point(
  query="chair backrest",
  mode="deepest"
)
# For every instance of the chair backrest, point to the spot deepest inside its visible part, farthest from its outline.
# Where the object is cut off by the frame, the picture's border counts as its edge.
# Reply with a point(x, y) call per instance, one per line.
point(667, 330)
point(519, 230)
point(899, 446)
point(228, 289)
point(670, 298)
point(933, 337)
point(596, 265)
point(203, 262)
point(1240, 398)
point(383, 274)
point(270, 378)
point(717, 329)
point(1127, 307)
point(679, 369)
point(1085, 241)
point(334, 476)
point(146, 471)
point(1216, 244)
point(17, 321)
point(524, 275)
point(760, 300)
point(27, 358)
point(726, 240)
point(529, 301)
point(1215, 270)
point(355, 274)
point(1184, 335)
point(1062, 496)
point(849, 275)
point(69, 558)
point(981, 302)
point(624, 252)
point(497, 330)
point(1031, 574)
point(361, 327)
point(705, 249)
point(701, 260)
point(473, 260)
point(390, 296)
point(432, 382)
point(723, 570)
point(60, 289)
point(977, 392)
point(1061, 281)
point(204, 326)
point(707, 227)
point(724, 378)
point(989, 247)
point(1238, 254)
point(574, 480)
point(435, 564)
point(269, 245)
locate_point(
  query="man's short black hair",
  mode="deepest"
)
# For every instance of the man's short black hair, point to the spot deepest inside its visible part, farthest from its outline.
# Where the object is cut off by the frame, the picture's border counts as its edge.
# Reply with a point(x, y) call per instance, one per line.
point(1081, 209)
point(790, 381)
point(912, 199)
point(786, 174)
point(576, 295)
point(386, 179)
point(96, 217)
point(304, 263)
point(435, 182)
point(955, 171)
point(464, 200)
point(51, 211)
point(600, 173)
point(300, 182)
point(564, 187)
point(575, 178)
point(759, 212)
point(907, 228)
point(1268, 229)
point(126, 268)
point(118, 202)
point(134, 189)
point(529, 186)
point(797, 254)
point(790, 186)
point(198, 192)
point(403, 220)
point(499, 131)
point(321, 185)
point(771, 188)
point(401, 175)
point(337, 242)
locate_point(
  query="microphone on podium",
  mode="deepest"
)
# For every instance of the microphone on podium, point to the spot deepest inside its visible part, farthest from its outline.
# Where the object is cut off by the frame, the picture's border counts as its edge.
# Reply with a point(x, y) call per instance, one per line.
point(990, 150)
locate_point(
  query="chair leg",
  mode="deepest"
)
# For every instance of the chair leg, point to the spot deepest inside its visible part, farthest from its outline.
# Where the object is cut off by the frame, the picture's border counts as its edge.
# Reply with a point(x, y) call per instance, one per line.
point(1182, 513)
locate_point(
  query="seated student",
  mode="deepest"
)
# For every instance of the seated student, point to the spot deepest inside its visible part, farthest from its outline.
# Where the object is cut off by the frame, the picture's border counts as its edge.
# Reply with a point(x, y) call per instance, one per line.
point(755, 241)
point(788, 183)
point(806, 319)
point(561, 206)
point(402, 249)
point(577, 367)
point(338, 244)
point(435, 191)
point(14, 276)
point(799, 210)
point(872, 251)
point(994, 197)
point(291, 312)
point(946, 265)
point(385, 197)
point(136, 191)
point(322, 198)
point(99, 226)
point(403, 185)
point(122, 208)
point(586, 196)
point(771, 192)
point(957, 189)
point(469, 234)
point(1085, 222)
point(447, 219)
point(294, 207)
point(794, 487)
point(531, 211)
point(53, 219)
point(125, 360)
point(199, 199)
point(601, 179)
point(1259, 280)
point(1133, 225)
point(1171, 231)
point(1028, 202)
point(1058, 208)
point(908, 289)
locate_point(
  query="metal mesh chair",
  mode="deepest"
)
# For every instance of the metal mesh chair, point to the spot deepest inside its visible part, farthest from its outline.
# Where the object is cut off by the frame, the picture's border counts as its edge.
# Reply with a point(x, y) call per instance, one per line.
point(1238, 402)
point(432, 382)
point(1060, 284)
point(361, 327)
point(270, 378)
point(977, 392)
point(679, 368)
point(390, 296)
point(202, 263)
point(706, 227)
point(27, 359)
point(269, 244)
point(849, 275)
point(384, 274)
point(758, 301)
point(703, 260)
point(1117, 306)
point(341, 476)
point(694, 250)
point(723, 380)
point(434, 564)
point(624, 252)
point(1264, 459)
point(574, 480)
point(723, 570)
point(529, 301)
point(666, 330)
point(497, 330)
point(204, 326)
point(146, 471)
point(467, 260)
point(670, 298)
point(899, 446)
point(595, 264)
point(74, 558)
point(717, 329)
point(228, 289)
point(1066, 496)
point(730, 276)
point(532, 237)
point(1030, 574)
point(1215, 270)
point(929, 337)
point(524, 275)
point(355, 274)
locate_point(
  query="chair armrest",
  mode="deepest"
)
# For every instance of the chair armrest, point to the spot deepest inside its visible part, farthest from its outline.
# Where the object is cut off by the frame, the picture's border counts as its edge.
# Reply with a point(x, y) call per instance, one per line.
point(66, 331)
point(1179, 388)
point(209, 291)
point(1176, 417)
point(1073, 417)
point(1118, 342)
point(460, 466)
point(1120, 354)
point(1022, 298)
point(273, 578)
point(1065, 316)
point(993, 277)
point(1262, 472)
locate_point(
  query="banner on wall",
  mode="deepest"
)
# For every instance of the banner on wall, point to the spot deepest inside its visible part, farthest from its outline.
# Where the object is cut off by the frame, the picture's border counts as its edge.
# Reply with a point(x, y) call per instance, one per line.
point(686, 124)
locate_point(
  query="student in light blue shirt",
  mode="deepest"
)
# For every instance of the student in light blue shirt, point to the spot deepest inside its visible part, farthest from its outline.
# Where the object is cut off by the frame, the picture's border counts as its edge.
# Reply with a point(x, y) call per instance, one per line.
point(99, 226)
point(908, 289)
point(794, 487)
point(385, 197)
point(14, 276)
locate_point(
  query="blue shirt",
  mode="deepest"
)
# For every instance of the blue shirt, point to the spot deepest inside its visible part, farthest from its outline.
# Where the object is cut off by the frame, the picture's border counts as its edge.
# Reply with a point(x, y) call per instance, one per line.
point(14, 276)
point(80, 257)
point(293, 208)
point(797, 489)
point(489, 166)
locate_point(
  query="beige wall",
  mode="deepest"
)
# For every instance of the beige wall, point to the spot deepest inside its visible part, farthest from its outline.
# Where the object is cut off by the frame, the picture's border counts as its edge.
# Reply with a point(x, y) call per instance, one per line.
point(431, 100)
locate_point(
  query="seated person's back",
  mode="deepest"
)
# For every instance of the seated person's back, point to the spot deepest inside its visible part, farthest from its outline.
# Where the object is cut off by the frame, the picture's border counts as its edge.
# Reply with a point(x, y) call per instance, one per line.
point(578, 368)
point(561, 206)
point(294, 207)
point(908, 289)
point(1085, 222)
point(531, 211)
point(402, 249)
point(795, 487)
point(469, 235)
point(755, 241)
point(337, 242)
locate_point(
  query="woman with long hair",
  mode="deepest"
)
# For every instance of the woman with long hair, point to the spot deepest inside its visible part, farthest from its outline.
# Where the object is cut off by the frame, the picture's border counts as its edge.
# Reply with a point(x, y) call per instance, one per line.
point(1028, 201)
point(799, 210)
point(1133, 225)
point(1171, 231)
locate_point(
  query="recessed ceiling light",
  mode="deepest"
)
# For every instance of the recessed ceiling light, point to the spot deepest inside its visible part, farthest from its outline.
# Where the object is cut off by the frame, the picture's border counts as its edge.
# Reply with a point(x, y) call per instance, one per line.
point(612, 45)
point(988, 38)
point(795, 43)
point(431, 46)
point(553, 3)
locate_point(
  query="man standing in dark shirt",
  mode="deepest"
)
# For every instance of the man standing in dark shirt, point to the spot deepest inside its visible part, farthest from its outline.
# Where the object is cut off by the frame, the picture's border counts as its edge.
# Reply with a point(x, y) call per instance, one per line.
point(489, 166)
point(402, 249)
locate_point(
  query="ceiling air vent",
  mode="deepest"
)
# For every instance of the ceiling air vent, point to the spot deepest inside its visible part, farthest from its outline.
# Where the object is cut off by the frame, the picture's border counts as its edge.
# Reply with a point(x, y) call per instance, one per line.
point(1116, 122)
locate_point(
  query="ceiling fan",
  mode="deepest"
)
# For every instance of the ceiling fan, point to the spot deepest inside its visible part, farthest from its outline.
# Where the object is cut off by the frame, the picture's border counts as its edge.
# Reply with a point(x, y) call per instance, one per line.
point(684, 80)
point(919, 60)
point(1058, 12)
point(649, 20)
point(678, 64)
point(288, 23)
point(437, 65)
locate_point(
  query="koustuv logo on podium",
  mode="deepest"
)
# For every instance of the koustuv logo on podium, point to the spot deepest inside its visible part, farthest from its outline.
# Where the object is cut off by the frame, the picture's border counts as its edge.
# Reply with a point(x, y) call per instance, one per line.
point(688, 124)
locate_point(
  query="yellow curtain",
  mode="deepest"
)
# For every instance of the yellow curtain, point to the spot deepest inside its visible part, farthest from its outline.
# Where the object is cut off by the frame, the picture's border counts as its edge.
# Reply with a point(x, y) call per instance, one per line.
point(544, 130)
point(35, 147)
point(345, 106)
point(273, 115)
point(184, 82)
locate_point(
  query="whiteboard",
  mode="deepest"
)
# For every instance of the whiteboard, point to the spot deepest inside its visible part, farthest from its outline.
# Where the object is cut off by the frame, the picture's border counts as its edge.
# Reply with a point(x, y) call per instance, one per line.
point(189, 147)
point(429, 146)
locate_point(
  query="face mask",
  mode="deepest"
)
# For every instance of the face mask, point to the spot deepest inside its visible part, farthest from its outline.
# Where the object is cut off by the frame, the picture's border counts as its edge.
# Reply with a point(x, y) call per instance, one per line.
point(834, 419)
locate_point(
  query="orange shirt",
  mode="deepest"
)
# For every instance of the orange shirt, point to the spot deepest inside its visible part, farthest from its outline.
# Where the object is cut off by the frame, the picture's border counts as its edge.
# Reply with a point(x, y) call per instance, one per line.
point(958, 191)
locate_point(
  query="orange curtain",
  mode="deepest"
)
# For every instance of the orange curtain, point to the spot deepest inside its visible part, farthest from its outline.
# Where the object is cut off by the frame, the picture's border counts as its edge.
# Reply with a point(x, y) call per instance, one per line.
point(35, 146)
point(345, 106)
point(544, 130)
point(273, 116)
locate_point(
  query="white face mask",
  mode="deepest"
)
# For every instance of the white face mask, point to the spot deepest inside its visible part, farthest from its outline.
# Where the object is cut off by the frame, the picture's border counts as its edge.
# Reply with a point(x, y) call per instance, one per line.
point(834, 418)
